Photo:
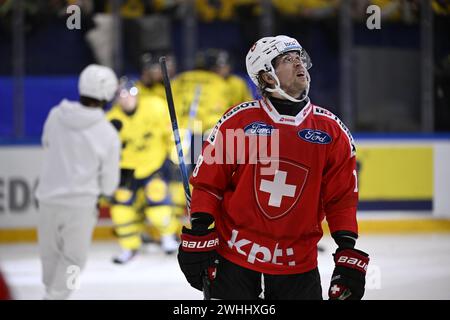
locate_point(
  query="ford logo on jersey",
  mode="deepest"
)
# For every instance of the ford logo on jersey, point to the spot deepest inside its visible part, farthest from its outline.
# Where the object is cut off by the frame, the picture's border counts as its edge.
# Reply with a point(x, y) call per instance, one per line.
point(315, 136)
point(259, 128)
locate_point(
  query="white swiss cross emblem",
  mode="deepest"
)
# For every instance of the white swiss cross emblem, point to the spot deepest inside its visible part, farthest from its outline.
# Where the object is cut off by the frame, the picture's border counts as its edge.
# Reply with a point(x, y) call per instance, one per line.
point(335, 289)
point(278, 186)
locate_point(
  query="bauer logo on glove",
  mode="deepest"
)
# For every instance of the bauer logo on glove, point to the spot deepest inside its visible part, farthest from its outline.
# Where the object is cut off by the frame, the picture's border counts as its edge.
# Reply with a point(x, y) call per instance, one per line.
point(199, 243)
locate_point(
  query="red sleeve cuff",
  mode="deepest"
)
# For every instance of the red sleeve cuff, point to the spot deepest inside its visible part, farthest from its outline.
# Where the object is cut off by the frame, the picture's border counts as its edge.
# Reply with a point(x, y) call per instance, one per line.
point(205, 201)
point(343, 219)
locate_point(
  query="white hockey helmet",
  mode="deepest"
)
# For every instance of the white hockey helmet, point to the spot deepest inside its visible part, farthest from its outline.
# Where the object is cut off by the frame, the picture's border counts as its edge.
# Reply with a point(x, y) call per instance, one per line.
point(98, 82)
point(260, 57)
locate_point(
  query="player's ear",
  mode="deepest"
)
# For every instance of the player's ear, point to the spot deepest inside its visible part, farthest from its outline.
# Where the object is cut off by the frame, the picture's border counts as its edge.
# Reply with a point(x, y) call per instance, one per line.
point(267, 78)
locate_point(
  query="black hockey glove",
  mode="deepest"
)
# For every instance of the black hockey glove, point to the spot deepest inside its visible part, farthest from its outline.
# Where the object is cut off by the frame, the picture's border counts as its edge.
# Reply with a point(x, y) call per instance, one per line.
point(117, 124)
point(349, 276)
point(197, 253)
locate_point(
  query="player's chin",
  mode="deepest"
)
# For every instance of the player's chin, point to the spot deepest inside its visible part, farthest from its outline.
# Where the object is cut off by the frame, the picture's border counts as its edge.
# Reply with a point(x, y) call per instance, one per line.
point(302, 83)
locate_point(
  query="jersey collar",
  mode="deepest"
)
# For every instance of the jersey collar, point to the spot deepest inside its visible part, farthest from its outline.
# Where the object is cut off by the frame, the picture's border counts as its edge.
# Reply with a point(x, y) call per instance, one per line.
point(285, 119)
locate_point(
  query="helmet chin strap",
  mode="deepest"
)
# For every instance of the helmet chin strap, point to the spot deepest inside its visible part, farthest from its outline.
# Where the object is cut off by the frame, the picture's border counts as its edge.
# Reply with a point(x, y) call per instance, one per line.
point(284, 94)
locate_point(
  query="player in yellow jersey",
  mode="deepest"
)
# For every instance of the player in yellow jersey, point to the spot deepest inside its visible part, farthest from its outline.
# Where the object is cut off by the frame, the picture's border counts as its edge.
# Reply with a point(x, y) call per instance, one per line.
point(214, 98)
point(144, 129)
point(151, 84)
point(219, 61)
point(217, 87)
point(200, 98)
point(151, 81)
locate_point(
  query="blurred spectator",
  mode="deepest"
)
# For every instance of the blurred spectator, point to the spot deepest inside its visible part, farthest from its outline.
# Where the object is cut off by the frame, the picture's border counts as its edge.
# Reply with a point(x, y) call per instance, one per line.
point(36, 14)
point(305, 17)
point(129, 9)
point(100, 39)
point(209, 10)
point(310, 9)
point(143, 30)
point(166, 6)
point(226, 10)
point(405, 11)
point(441, 7)
point(315, 24)
point(247, 14)
point(390, 9)
point(442, 95)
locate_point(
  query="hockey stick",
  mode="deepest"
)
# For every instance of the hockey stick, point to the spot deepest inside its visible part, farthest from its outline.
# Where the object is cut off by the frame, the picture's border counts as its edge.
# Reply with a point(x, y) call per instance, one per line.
point(176, 133)
point(182, 166)
point(192, 114)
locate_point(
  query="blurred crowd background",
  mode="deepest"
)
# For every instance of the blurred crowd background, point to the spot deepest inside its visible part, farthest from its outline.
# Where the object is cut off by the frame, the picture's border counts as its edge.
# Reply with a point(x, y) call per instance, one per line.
point(392, 79)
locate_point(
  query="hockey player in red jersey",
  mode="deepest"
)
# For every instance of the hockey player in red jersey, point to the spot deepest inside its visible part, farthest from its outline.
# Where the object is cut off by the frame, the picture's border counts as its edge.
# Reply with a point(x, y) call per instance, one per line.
point(270, 171)
point(4, 289)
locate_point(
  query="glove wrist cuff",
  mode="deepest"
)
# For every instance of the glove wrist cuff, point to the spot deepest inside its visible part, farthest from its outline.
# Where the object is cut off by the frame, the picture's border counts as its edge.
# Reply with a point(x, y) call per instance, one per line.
point(192, 243)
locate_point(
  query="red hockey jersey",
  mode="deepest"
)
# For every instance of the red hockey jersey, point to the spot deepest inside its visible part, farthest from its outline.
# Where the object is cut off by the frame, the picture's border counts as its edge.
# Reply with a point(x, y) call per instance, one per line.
point(269, 180)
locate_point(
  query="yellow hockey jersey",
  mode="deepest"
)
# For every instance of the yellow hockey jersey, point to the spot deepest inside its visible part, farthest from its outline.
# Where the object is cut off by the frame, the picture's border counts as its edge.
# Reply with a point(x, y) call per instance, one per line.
point(238, 89)
point(214, 97)
point(157, 89)
point(145, 135)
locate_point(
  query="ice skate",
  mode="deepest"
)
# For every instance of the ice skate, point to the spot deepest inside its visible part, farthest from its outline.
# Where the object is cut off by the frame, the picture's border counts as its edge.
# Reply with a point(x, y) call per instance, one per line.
point(169, 244)
point(125, 256)
point(146, 238)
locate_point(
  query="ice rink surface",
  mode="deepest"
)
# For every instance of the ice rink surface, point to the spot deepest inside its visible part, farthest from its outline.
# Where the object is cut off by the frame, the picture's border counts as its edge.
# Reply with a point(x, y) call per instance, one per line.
point(401, 267)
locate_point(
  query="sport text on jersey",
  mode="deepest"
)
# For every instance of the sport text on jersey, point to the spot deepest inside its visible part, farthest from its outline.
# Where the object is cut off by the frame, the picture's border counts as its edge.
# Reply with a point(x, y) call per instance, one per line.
point(246, 105)
point(256, 252)
point(324, 112)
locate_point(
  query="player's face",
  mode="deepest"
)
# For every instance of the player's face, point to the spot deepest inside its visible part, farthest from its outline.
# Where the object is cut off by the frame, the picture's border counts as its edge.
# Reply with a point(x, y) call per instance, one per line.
point(224, 70)
point(151, 75)
point(127, 101)
point(291, 73)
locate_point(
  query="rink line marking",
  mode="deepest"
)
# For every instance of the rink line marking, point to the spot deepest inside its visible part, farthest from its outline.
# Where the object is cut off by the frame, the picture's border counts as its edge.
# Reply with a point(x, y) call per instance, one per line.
point(30, 234)
point(402, 226)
